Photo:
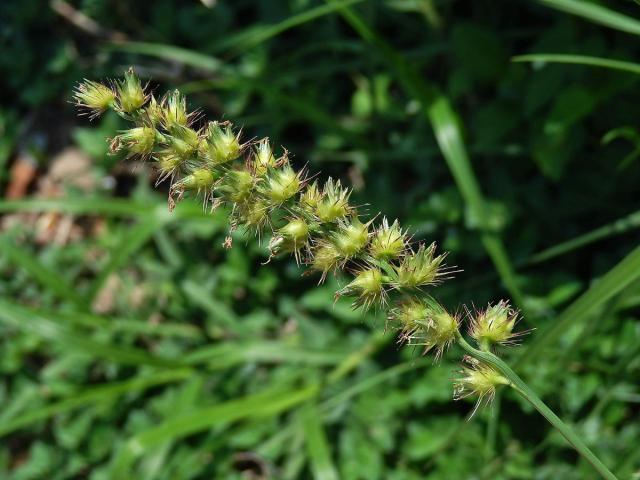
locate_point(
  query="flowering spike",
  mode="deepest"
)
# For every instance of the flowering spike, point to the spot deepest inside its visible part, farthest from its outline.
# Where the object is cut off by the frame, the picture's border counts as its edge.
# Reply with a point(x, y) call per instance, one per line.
point(419, 269)
point(494, 326)
point(94, 97)
point(135, 141)
point(131, 94)
point(477, 379)
point(387, 242)
point(263, 158)
point(368, 287)
point(334, 203)
point(351, 237)
point(172, 111)
point(426, 323)
point(222, 145)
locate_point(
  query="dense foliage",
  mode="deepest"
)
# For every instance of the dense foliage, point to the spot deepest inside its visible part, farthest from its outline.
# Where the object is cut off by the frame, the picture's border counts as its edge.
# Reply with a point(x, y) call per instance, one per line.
point(132, 340)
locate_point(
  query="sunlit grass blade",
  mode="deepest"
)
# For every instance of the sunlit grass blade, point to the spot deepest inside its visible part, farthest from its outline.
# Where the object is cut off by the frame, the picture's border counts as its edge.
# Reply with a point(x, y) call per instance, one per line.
point(229, 354)
point(318, 450)
point(80, 206)
point(541, 58)
point(260, 405)
point(185, 56)
point(613, 282)
point(92, 396)
point(35, 323)
point(47, 277)
point(620, 226)
point(597, 14)
point(445, 123)
point(128, 325)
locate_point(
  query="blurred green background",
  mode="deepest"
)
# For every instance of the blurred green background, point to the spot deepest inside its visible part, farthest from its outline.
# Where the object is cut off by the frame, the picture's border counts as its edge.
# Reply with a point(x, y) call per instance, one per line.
point(134, 345)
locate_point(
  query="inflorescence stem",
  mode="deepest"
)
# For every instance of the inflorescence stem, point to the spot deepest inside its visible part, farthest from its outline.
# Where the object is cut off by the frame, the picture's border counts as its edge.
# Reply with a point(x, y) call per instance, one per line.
point(529, 395)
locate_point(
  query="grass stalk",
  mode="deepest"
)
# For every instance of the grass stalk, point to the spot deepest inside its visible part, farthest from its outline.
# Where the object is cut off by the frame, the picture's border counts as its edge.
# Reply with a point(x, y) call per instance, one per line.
point(529, 395)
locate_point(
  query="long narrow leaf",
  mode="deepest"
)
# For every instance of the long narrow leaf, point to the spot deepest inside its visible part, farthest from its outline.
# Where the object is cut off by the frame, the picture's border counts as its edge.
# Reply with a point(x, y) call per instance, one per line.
point(579, 60)
point(130, 243)
point(256, 406)
point(50, 330)
point(93, 395)
point(317, 445)
point(596, 14)
point(47, 277)
point(620, 226)
point(613, 282)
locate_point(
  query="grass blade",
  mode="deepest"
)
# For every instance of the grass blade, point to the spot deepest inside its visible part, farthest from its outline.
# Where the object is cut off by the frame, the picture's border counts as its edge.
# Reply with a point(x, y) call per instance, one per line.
point(596, 14)
point(317, 445)
point(260, 405)
point(93, 395)
point(613, 282)
point(130, 242)
point(258, 34)
point(192, 58)
point(48, 329)
point(445, 125)
point(80, 206)
point(579, 60)
point(48, 278)
point(620, 226)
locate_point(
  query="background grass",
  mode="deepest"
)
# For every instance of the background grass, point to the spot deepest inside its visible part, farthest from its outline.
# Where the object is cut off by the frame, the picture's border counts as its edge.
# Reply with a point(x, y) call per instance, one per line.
point(134, 345)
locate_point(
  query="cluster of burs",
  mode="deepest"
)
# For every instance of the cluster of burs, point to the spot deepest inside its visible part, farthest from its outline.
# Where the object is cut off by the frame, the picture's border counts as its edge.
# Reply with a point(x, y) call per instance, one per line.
point(312, 221)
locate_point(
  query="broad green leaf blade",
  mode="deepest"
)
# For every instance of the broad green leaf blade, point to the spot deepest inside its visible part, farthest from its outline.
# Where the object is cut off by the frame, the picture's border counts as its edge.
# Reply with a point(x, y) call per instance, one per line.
point(93, 395)
point(48, 278)
point(50, 330)
point(613, 282)
point(317, 445)
point(596, 14)
point(260, 405)
point(579, 60)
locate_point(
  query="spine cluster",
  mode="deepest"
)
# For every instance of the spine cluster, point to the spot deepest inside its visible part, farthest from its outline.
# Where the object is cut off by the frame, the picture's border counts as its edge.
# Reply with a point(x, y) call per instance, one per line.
point(311, 220)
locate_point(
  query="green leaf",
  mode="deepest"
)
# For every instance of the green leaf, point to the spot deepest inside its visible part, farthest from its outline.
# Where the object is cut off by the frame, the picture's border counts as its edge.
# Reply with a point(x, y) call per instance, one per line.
point(130, 242)
point(620, 226)
point(47, 277)
point(185, 56)
point(316, 443)
point(51, 330)
point(596, 14)
point(93, 395)
point(613, 282)
point(539, 59)
point(258, 34)
point(264, 404)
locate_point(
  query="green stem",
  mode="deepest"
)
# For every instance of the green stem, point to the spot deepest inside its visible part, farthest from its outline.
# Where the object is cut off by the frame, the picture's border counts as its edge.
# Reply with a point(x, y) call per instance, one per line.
point(523, 389)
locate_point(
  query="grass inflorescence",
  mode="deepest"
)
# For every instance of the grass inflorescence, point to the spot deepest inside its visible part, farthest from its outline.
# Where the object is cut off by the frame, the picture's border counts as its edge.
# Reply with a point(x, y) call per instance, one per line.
point(312, 220)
